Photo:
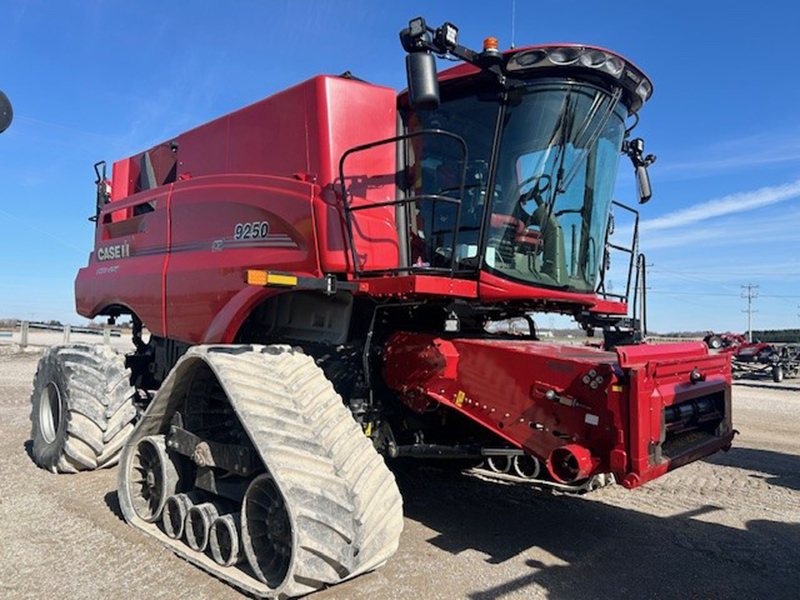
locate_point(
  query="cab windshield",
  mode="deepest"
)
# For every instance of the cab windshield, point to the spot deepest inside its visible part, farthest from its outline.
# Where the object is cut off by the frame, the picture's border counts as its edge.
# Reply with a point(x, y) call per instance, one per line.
point(554, 177)
point(556, 169)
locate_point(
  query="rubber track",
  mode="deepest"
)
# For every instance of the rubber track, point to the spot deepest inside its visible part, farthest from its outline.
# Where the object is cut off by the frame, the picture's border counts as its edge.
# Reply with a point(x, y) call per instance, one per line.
point(99, 401)
point(344, 504)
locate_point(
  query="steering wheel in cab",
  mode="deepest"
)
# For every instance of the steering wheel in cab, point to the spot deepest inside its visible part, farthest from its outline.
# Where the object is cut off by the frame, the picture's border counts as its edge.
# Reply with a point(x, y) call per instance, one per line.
point(529, 240)
point(536, 193)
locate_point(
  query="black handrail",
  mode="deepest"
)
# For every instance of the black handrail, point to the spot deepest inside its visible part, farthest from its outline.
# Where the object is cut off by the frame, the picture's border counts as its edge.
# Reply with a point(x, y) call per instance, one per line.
point(404, 202)
point(601, 286)
point(641, 284)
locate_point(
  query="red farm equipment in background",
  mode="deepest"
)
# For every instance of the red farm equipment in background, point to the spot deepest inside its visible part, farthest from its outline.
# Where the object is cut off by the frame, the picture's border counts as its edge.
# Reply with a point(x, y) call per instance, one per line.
point(320, 275)
point(756, 359)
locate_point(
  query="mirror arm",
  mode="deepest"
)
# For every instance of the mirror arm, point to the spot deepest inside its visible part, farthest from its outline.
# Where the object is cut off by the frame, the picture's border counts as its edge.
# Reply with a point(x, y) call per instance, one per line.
point(419, 37)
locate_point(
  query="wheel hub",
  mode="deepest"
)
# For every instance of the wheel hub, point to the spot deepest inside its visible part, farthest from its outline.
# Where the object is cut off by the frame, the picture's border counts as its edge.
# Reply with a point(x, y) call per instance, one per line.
point(50, 412)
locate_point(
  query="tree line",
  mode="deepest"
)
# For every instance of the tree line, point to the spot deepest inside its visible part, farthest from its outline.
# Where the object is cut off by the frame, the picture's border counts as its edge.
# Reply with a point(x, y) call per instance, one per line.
point(777, 335)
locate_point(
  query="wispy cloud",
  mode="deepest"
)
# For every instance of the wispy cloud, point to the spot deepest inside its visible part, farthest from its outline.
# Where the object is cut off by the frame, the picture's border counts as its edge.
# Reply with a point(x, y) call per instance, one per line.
point(727, 205)
point(731, 231)
point(40, 123)
point(750, 151)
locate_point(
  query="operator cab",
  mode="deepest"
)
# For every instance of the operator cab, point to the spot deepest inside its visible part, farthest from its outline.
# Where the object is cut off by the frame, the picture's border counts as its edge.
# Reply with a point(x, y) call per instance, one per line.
point(543, 135)
point(558, 146)
point(506, 166)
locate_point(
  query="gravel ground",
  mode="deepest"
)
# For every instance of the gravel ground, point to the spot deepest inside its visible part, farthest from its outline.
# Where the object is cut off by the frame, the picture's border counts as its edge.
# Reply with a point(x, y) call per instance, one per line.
point(727, 527)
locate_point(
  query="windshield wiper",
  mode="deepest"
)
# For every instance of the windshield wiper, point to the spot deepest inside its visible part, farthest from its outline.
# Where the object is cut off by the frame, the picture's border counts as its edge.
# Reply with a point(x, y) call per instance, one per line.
point(563, 183)
point(564, 133)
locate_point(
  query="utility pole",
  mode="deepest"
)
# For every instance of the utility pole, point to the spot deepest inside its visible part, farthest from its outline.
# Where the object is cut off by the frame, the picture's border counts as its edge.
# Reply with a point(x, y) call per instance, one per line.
point(750, 293)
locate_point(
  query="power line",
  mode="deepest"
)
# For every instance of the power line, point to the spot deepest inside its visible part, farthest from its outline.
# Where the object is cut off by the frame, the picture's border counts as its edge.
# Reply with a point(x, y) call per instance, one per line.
point(722, 294)
point(689, 276)
point(750, 293)
point(685, 293)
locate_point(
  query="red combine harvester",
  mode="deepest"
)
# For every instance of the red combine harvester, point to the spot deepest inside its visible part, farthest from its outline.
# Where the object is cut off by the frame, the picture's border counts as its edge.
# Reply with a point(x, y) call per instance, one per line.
point(319, 274)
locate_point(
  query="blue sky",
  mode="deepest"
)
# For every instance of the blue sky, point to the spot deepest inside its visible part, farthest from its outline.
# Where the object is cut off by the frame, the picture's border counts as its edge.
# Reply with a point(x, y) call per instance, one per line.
point(102, 80)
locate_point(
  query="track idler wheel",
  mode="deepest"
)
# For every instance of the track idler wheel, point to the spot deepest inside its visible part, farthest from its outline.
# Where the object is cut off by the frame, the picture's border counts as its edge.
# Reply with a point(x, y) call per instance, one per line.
point(153, 477)
point(527, 467)
point(267, 531)
point(224, 540)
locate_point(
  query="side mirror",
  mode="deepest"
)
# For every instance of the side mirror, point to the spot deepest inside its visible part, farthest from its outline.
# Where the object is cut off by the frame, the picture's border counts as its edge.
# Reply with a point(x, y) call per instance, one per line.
point(423, 81)
point(643, 184)
point(635, 151)
point(6, 112)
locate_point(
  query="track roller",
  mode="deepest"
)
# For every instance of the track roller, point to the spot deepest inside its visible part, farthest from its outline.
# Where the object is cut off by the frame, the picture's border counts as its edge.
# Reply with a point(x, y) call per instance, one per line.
point(153, 477)
point(498, 464)
point(198, 525)
point(224, 540)
point(173, 517)
point(527, 467)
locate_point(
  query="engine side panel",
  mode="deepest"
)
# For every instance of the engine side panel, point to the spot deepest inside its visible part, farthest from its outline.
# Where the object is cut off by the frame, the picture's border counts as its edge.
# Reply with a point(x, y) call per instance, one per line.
point(223, 225)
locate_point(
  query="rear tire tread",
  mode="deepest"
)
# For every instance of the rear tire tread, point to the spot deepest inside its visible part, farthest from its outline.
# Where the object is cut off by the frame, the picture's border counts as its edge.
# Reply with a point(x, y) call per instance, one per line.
point(97, 406)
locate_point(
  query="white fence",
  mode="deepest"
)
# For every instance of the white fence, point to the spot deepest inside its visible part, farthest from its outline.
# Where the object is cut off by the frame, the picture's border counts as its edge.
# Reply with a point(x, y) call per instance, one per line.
point(29, 333)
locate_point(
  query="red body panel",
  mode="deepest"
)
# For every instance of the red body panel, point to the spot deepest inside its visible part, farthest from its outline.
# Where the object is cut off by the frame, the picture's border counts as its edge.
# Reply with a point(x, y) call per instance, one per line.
point(417, 285)
point(135, 280)
point(497, 289)
point(506, 386)
point(205, 261)
point(183, 266)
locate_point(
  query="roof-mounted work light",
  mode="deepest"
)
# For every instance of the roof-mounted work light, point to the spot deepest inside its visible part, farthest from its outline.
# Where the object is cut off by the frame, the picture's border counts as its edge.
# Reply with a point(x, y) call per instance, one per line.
point(602, 62)
point(422, 43)
point(447, 35)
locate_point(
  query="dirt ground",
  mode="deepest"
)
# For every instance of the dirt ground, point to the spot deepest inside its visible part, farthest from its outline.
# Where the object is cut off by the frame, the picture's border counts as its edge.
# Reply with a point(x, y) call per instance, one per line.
point(726, 527)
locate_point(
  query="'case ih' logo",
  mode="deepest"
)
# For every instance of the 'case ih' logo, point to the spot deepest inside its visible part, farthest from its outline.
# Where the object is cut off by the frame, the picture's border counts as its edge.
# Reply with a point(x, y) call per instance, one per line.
point(113, 252)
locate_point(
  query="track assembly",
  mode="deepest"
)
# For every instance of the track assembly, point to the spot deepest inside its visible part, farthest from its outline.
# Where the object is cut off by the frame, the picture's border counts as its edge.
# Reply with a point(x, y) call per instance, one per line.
point(317, 504)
